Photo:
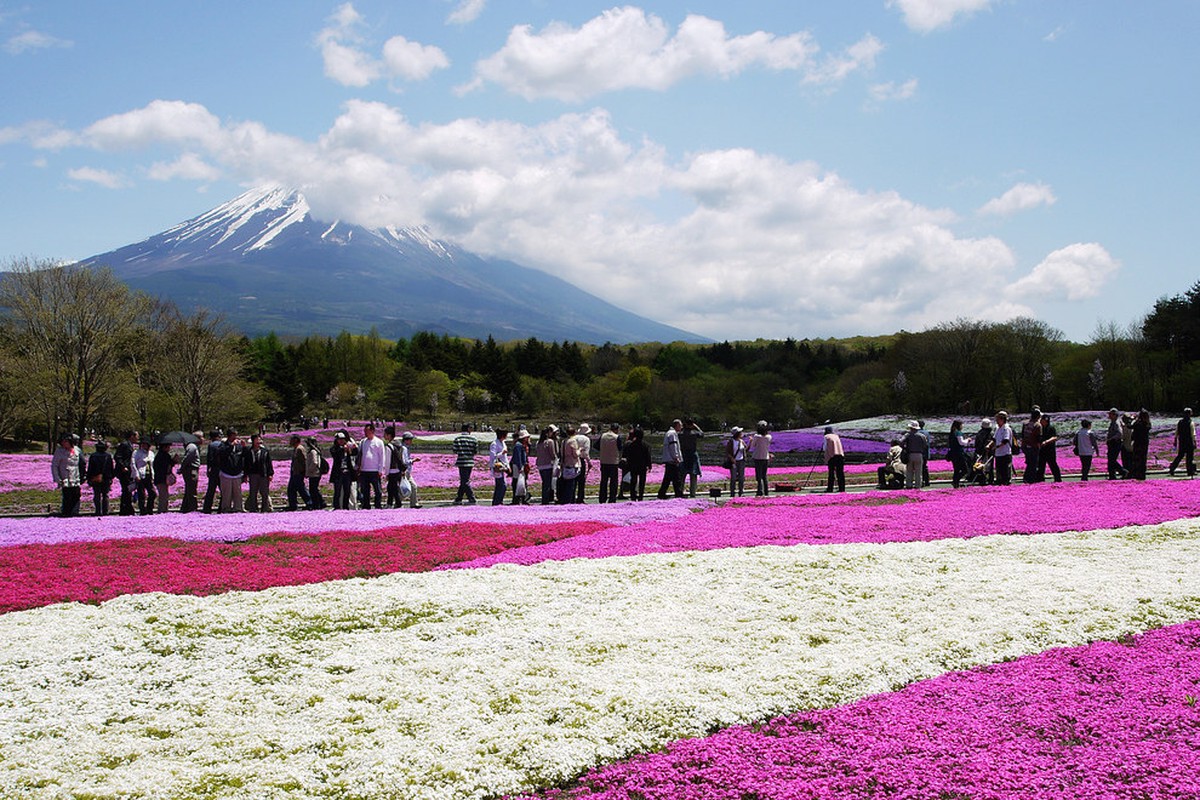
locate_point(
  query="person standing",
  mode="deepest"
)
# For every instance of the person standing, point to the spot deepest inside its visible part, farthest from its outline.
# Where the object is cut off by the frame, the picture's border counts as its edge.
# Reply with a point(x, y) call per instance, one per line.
point(372, 465)
point(212, 469)
point(1113, 439)
point(984, 439)
point(501, 469)
point(760, 452)
point(689, 446)
point(914, 444)
point(394, 469)
point(735, 458)
point(315, 465)
point(637, 463)
point(67, 468)
point(520, 468)
point(547, 461)
point(341, 472)
point(100, 473)
point(925, 463)
point(835, 461)
point(465, 449)
point(123, 461)
point(1087, 446)
point(297, 490)
point(1185, 444)
point(1048, 457)
point(232, 473)
point(406, 464)
point(610, 463)
point(1002, 444)
point(164, 476)
point(957, 453)
point(143, 473)
point(569, 461)
point(259, 471)
point(584, 438)
point(1031, 447)
point(672, 457)
point(189, 470)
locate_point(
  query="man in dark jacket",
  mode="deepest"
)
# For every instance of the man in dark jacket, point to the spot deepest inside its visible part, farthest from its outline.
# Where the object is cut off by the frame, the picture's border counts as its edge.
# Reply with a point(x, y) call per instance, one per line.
point(123, 463)
point(100, 472)
point(212, 470)
point(1185, 441)
point(259, 471)
point(189, 470)
point(296, 487)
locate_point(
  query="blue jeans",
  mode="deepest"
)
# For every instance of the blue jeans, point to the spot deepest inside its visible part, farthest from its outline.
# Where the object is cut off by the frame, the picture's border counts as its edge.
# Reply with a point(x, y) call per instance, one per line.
point(296, 488)
point(368, 481)
point(499, 491)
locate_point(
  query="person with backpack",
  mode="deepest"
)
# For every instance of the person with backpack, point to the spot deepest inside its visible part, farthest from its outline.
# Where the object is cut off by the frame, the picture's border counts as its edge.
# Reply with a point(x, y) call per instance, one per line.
point(296, 490)
point(315, 465)
point(395, 467)
point(232, 473)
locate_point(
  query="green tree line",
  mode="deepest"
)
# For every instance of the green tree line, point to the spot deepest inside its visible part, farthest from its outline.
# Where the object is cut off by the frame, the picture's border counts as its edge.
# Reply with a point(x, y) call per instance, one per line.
point(79, 351)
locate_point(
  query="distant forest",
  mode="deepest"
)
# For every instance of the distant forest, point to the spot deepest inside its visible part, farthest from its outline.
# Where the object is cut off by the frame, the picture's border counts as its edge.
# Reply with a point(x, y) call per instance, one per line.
point(79, 351)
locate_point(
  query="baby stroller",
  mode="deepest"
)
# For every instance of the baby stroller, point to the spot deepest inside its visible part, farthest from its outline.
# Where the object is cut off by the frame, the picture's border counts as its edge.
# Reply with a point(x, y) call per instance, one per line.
point(980, 473)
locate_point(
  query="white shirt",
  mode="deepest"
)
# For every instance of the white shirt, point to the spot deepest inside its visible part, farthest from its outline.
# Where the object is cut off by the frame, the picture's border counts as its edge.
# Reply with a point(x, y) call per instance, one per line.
point(1003, 439)
point(373, 454)
point(499, 457)
point(760, 446)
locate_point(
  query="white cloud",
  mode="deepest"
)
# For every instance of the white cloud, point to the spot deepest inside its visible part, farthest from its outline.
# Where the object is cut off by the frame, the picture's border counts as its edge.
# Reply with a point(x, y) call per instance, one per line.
point(754, 245)
point(929, 15)
point(1078, 272)
point(188, 166)
point(34, 40)
point(348, 64)
point(103, 177)
point(627, 48)
point(412, 61)
point(39, 134)
point(859, 56)
point(466, 12)
point(1021, 197)
point(883, 92)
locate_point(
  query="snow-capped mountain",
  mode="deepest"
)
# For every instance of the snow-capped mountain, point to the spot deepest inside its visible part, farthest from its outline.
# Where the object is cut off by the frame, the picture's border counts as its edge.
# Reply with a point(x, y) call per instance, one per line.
point(266, 264)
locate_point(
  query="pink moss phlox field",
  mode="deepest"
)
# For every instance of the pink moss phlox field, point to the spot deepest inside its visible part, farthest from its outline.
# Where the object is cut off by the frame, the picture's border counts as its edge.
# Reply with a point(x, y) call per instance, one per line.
point(882, 517)
point(239, 527)
point(38, 575)
point(22, 471)
point(1109, 720)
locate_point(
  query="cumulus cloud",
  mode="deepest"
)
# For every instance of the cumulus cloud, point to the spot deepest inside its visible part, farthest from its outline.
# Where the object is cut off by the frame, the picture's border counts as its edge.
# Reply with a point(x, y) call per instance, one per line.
point(753, 244)
point(925, 16)
point(628, 48)
point(188, 166)
point(1021, 197)
point(1076, 272)
point(33, 40)
point(466, 12)
point(102, 177)
point(348, 64)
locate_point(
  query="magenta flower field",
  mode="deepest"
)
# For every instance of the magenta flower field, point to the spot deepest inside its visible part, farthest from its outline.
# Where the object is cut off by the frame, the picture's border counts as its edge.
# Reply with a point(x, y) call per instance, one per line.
point(1111, 720)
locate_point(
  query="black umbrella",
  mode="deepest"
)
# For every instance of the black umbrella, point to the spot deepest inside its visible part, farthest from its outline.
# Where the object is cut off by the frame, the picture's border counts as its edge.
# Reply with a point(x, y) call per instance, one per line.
point(177, 437)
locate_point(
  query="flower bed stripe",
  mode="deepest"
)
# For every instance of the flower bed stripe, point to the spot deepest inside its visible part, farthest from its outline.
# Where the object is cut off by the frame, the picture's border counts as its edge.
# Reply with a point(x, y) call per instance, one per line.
point(38, 575)
point(228, 527)
point(474, 683)
point(879, 517)
point(1114, 719)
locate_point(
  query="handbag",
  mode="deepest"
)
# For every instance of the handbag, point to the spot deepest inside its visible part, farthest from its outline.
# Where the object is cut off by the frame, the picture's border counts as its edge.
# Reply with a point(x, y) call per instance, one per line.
point(570, 473)
point(405, 488)
point(519, 489)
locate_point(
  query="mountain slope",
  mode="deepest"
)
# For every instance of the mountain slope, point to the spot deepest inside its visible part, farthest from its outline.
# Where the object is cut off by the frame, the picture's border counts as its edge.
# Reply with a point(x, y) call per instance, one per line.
point(266, 264)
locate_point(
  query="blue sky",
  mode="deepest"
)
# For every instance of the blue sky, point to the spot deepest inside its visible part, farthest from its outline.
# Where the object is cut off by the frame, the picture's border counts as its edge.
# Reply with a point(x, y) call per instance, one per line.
point(739, 170)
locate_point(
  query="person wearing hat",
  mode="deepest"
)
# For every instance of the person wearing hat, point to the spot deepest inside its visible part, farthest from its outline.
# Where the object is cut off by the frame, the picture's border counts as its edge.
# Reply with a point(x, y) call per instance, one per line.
point(584, 438)
point(735, 460)
point(1002, 444)
point(916, 445)
point(189, 470)
point(835, 461)
point(100, 472)
point(1113, 443)
point(760, 452)
point(520, 468)
point(406, 464)
point(1185, 444)
point(66, 467)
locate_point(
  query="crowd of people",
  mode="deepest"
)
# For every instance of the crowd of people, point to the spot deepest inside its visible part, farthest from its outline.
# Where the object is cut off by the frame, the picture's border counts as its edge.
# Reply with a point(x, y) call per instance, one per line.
point(377, 471)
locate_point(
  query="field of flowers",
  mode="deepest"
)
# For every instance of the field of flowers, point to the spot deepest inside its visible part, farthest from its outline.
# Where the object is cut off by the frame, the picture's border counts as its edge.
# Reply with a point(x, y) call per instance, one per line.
point(987, 643)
